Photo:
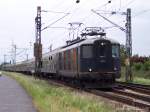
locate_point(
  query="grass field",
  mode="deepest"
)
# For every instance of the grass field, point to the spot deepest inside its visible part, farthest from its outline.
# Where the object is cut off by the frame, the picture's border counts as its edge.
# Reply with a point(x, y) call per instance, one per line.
point(49, 98)
point(57, 99)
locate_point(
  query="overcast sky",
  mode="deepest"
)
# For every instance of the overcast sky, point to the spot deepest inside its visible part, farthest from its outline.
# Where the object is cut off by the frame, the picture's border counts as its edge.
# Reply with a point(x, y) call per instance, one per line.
point(17, 23)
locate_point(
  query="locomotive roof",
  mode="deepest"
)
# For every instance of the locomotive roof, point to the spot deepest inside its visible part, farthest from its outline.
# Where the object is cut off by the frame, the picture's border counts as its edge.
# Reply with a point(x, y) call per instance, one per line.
point(92, 40)
point(63, 48)
point(84, 42)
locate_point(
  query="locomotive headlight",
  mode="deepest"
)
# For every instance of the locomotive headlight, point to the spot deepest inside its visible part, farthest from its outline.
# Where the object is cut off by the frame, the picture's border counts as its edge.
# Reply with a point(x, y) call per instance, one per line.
point(115, 68)
point(32, 71)
point(90, 70)
point(102, 43)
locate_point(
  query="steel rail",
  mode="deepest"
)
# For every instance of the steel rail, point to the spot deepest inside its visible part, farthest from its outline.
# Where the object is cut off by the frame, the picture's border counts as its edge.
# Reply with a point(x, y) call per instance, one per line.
point(122, 99)
point(135, 88)
point(135, 85)
point(133, 95)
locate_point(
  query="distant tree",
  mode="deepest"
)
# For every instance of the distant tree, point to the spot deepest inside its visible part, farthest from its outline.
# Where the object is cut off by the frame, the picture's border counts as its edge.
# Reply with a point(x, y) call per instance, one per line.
point(135, 55)
point(139, 59)
point(146, 65)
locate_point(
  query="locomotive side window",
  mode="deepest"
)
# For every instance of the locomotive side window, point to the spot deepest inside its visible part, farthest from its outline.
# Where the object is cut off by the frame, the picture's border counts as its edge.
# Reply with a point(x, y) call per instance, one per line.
point(87, 51)
point(64, 60)
point(69, 59)
point(74, 59)
point(115, 51)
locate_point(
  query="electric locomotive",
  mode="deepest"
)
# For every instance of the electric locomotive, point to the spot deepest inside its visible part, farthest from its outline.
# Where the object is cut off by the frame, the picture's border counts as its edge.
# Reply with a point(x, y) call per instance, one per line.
point(95, 60)
point(91, 60)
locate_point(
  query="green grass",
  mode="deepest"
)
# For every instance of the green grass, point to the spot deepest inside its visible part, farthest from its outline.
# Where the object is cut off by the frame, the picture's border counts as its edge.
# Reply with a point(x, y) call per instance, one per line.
point(139, 76)
point(141, 81)
point(49, 98)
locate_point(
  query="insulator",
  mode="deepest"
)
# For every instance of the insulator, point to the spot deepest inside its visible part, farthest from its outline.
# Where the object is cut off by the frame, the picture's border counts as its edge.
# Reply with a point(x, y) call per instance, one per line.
point(109, 1)
point(77, 1)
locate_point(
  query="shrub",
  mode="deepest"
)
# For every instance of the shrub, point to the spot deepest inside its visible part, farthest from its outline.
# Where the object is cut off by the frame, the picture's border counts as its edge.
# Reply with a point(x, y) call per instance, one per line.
point(146, 66)
point(137, 66)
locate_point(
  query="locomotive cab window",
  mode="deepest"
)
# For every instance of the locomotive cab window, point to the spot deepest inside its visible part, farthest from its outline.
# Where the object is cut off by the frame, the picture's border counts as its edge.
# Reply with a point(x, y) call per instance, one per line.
point(50, 58)
point(102, 50)
point(115, 51)
point(87, 51)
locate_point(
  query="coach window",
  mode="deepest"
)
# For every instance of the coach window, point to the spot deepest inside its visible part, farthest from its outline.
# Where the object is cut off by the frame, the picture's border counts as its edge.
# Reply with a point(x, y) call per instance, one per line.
point(60, 61)
point(115, 51)
point(87, 51)
point(69, 59)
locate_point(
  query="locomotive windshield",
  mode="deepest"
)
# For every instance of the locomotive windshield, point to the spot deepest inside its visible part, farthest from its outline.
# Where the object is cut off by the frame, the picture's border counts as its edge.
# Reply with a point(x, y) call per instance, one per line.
point(102, 50)
point(87, 51)
point(115, 51)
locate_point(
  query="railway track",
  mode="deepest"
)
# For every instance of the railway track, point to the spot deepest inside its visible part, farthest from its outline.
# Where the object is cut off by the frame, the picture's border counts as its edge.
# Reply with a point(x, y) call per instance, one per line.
point(128, 98)
point(120, 94)
point(144, 89)
point(131, 94)
point(135, 85)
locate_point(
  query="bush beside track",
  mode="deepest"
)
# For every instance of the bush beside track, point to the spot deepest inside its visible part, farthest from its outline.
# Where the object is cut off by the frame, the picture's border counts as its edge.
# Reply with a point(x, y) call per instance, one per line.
point(140, 76)
point(49, 98)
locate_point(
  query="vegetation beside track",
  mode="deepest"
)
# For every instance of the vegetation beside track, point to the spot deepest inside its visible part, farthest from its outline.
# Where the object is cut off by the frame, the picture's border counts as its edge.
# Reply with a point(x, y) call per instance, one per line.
point(49, 98)
point(140, 76)
point(140, 67)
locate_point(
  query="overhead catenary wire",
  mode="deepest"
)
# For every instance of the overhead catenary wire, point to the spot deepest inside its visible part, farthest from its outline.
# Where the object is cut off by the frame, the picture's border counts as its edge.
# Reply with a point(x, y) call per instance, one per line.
point(114, 11)
point(120, 5)
point(129, 3)
point(55, 21)
point(53, 11)
point(121, 28)
point(64, 12)
point(108, 2)
point(49, 26)
point(142, 12)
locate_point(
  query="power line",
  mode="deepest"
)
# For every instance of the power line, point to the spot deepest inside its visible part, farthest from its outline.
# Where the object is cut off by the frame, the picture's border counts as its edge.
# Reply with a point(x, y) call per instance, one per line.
point(108, 2)
point(129, 3)
point(120, 5)
point(142, 12)
point(121, 28)
point(53, 11)
point(55, 21)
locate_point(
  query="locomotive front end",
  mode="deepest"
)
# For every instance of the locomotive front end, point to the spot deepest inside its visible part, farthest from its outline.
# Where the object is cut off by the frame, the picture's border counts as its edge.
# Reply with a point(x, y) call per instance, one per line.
point(100, 61)
point(103, 56)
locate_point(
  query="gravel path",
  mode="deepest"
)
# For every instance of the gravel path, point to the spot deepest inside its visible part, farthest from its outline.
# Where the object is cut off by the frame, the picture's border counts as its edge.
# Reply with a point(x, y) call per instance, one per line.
point(13, 98)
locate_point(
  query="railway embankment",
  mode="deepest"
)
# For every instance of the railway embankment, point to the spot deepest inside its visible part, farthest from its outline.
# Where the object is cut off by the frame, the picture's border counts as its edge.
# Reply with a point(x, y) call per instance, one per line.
point(51, 98)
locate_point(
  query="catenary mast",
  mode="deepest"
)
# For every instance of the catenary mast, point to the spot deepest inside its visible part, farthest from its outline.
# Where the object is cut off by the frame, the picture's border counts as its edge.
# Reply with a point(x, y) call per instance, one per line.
point(37, 44)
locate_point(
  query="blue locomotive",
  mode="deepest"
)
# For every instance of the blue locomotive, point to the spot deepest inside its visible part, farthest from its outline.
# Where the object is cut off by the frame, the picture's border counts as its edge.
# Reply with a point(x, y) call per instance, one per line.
point(94, 60)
